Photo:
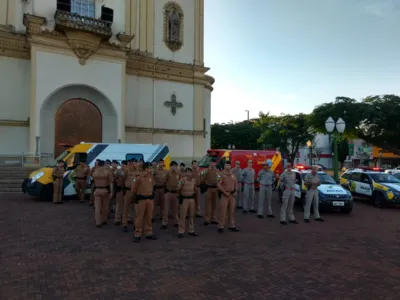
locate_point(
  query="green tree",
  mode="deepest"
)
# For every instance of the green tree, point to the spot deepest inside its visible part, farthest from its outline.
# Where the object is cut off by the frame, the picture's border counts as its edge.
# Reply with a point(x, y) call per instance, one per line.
point(243, 135)
point(286, 132)
point(374, 119)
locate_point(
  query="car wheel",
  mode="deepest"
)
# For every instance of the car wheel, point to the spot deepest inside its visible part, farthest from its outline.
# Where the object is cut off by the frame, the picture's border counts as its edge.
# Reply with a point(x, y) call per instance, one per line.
point(46, 193)
point(378, 200)
point(346, 210)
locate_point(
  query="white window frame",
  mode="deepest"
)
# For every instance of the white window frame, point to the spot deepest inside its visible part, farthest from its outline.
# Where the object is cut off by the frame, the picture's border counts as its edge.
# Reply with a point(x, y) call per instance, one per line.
point(86, 8)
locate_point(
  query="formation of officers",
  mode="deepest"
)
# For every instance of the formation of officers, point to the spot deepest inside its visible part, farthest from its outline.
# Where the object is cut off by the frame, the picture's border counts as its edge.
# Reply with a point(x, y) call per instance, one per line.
point(152, 191)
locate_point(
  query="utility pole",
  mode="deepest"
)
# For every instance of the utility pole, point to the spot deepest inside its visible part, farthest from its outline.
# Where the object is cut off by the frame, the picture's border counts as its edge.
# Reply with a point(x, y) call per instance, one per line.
point(248, 114)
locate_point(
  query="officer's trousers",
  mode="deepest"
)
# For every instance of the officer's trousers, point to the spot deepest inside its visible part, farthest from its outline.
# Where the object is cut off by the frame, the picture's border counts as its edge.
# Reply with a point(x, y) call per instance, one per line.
point(248, 199)
point(287, 205)
point(312, 198)
point(264, 197)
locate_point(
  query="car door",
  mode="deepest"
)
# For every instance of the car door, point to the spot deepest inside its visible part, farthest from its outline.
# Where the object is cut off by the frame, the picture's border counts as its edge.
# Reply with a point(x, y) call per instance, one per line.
point(354, 180)
point(365, 187)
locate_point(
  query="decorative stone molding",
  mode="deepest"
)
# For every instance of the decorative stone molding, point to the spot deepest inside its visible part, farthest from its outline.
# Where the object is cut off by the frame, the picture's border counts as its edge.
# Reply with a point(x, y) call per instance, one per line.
point(124, 39)
point(7, 28)
point(14, 123)
point(83, 44)
point(162, 131)
point(173, 26)
point(137, 63)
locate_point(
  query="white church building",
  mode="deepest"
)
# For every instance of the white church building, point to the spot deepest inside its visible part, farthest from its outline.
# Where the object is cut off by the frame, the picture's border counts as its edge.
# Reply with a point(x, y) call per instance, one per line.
point(128, 71)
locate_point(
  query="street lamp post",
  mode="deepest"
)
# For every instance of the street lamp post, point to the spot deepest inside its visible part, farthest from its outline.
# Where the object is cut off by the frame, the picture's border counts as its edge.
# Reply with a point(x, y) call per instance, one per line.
point(330, 125)
point(309, 145)
point(248, 114)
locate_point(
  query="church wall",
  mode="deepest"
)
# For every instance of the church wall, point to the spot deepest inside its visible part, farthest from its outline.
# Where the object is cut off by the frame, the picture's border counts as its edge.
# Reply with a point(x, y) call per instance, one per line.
point(17, 140)
point(207, 114)
point(163, 117)
point(180, 146)
point(139, 101)
point(187, 52)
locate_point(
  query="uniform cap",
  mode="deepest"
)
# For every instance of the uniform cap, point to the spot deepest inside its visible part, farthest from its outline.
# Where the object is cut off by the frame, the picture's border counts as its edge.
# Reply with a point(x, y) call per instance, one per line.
point(108, 161)
point(124, 162)
point(101, 163)
point(265, 163)
point(115, 162)
point(237, 162)
point(146, 165)
point(133, 160)
point(173, 163)
point(228, 162)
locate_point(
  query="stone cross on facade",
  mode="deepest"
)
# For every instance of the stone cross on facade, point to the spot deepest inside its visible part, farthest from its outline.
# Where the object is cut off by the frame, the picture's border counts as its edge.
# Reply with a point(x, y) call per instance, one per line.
point(173, 104)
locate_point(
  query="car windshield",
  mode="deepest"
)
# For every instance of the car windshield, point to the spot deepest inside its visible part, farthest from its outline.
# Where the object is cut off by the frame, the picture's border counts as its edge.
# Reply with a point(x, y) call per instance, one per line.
point(61, 156)
point(326, 179)
point(397, 175)
point(384, 178)
point(205, 161)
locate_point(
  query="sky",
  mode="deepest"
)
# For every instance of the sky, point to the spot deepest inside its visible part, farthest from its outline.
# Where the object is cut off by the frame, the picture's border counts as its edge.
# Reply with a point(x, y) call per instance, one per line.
point(288, 56)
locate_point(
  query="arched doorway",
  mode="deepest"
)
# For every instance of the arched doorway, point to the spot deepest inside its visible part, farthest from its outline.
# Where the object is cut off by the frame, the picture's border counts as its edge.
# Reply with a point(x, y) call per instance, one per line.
point(77, 120)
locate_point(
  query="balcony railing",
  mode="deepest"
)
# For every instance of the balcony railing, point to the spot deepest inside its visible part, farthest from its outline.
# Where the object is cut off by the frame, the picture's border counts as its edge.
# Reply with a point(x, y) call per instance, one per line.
point(65, 20)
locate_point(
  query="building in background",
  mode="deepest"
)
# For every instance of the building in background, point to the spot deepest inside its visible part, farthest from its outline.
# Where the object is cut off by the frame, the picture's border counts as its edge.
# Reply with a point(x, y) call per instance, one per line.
point(129, 71)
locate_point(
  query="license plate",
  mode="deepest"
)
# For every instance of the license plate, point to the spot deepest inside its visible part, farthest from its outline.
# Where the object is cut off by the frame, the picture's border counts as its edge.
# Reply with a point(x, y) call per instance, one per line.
point(336, 203)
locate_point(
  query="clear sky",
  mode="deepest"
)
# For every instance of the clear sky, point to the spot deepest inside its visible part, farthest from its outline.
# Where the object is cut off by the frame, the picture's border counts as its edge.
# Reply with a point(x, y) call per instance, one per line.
point(287, 56)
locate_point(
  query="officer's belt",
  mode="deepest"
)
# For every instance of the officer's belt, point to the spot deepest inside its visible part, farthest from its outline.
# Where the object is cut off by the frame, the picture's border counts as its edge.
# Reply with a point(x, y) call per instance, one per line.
point(103, 187)
point(169, 191)
point(144, 197)
point(188, 197)
point(159, 186)
point(249, 183)
point(58, 176)
point(81, 177)
point(126, 188)
point(267, 185)
point(289, 189)
point(211, 186)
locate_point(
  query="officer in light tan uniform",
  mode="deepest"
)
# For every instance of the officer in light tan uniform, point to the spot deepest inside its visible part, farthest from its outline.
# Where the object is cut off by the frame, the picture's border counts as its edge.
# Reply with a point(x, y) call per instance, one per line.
point(143, 189)
point(237, 171)
point(130, 175)
point(287, 184)
point(196, 174)
point(312, 182)
point(210, 178)
point(171, 198)
point(187, 193)
point(91, 201)
point(58, 175)
point(266, 178)
point(103, 182)
point(160, 175)
point(81, 173)
point(228, 186)
point(120, 177)
point(248, 177)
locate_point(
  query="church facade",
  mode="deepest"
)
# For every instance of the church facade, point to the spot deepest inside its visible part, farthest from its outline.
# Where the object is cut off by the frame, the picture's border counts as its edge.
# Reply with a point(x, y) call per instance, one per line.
point(113, 71)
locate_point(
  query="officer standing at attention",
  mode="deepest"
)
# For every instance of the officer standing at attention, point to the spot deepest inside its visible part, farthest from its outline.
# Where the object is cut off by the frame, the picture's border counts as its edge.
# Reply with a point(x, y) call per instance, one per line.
point(287, 182)
point(171, 198)
point(103, 181)
point(210, 178)
point(197, 175)
point(140, 166)
point(91, 201)
point(182, 167)
point(228, 185)
point(108, 164)
point(58, 175)
point(130, 174)
point(312, 182)
point(153, 165)
point(81, 173)
point(143, 189)
point(160, 175)
point(266, 179)
point(248, 176)
point(187, 193)
point(237, 171)
point(120, 176)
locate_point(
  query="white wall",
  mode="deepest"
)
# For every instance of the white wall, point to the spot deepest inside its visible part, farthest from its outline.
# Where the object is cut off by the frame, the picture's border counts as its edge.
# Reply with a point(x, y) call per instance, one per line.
point(163, 117)
point(207, 116)
point(17, 140)
point(47, 9)
point(139, 101)
point(180, 146)
point(14, 89)
point(186, 53)
point(56, 71)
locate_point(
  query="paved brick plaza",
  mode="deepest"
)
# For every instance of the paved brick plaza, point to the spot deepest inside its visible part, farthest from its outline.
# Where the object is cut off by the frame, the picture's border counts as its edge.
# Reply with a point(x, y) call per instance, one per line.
point(55, 252)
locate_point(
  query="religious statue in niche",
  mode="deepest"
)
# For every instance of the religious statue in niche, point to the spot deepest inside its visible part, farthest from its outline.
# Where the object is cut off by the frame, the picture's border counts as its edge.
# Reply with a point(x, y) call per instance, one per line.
point(173, 26)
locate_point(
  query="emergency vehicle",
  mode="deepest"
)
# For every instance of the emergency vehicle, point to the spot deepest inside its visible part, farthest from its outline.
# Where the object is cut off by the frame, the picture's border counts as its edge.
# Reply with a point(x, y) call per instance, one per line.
point(40, 182)
point(257, 156)
point(381, 188)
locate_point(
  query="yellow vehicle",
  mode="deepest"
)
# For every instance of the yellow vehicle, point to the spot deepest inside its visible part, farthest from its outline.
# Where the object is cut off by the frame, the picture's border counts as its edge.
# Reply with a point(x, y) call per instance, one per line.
point(40, 182)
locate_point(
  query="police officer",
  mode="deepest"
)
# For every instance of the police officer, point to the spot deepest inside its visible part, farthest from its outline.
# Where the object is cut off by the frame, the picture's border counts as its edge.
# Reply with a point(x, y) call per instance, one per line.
point(103, 181)
point(120, 176)
point(210, 178)
point(312, 181)
point(197, 175)
point(287, 182)
point(237, 171)
point(266, 179)
point(247, 177)
point(81, 173)
point(58, 175)
point(228, 186)
point(182, 167)
point(91, 201)
point(159, 176)
point(187, 193)
point(171, 198)
point(143, 189)
point(130, 175)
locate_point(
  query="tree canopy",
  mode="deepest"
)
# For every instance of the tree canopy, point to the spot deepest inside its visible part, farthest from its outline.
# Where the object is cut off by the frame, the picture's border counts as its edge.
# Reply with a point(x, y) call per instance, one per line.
point(374, 119)
point(242, 135)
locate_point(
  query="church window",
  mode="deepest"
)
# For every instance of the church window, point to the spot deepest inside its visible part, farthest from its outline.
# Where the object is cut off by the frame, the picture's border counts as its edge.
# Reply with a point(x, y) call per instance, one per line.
point(83, 7)
point(173, 26)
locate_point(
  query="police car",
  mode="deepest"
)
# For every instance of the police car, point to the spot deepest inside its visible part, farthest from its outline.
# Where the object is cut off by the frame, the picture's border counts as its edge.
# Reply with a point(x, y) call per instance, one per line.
point(331, 194)
point(381, 188)
point(393, 171)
